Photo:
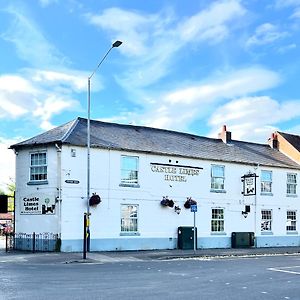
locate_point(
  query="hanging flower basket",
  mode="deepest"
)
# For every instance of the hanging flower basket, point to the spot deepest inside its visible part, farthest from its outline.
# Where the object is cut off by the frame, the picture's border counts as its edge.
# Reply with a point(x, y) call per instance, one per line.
point(189, 202)
point(167, 202)
point(94, 200)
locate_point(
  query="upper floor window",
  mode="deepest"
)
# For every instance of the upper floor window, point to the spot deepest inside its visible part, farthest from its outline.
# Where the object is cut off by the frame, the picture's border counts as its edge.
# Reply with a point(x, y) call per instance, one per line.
point(217, 177)
point(129, 170)
point(266, 181)
point(291, 184)
point(217, 220)
point(38, 166)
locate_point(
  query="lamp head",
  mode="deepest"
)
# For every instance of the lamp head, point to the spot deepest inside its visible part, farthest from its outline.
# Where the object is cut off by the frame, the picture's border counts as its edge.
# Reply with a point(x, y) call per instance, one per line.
point(116, 44)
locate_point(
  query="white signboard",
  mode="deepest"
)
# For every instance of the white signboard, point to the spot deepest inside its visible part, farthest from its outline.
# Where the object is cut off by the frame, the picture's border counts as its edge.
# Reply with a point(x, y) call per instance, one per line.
point(249, 184)
point(37, 205)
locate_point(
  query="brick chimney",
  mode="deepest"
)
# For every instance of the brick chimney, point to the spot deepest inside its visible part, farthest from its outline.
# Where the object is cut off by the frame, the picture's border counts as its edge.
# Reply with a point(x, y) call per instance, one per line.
point(225, 135)
point(273, 141)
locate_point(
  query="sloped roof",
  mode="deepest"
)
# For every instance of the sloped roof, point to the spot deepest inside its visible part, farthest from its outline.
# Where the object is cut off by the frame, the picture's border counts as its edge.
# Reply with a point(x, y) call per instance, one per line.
point(294, 140)
point(159, 141)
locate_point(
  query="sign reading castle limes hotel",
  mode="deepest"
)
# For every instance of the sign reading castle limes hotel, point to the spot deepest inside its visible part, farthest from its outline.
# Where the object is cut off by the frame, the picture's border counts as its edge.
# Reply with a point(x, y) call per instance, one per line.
point(178, 173)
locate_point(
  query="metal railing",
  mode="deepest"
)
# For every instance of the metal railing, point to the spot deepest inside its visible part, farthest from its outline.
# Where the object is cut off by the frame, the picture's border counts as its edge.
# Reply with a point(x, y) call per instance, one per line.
point(44, 242)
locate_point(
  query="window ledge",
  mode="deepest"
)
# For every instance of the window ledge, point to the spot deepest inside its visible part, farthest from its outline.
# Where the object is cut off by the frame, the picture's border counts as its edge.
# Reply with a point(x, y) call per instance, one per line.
point(217, 191)
point(292, 232)
point(266, 233)
point(292, 195)
point(266, 194)
point(136, 185)
point(130, 234)
point(218, 233)
point(40, 182)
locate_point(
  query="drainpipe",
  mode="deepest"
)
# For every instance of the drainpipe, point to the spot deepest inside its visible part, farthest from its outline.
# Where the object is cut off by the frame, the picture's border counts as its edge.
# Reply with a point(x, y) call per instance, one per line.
point(255, 207)
point(58, 171)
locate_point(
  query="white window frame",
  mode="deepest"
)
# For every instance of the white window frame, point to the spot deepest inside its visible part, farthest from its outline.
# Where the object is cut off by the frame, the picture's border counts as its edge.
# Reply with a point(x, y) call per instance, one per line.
point(129, 219)
point(217, 224)
point(266, 184)
point(133, 178)
point(38, 170)
point(291, 184)
point(266, 220)
point(291, 220)
point(214, 183)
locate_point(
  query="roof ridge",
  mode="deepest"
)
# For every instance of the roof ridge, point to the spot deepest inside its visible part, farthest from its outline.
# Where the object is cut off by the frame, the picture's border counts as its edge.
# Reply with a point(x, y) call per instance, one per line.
point(282, 132)
point(69, 131)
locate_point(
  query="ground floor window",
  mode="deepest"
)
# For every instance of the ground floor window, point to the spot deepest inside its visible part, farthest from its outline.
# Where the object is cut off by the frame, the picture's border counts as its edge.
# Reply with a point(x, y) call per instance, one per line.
point(129, 218)
point(266, 220)
point(217, 220)
point(291, 220)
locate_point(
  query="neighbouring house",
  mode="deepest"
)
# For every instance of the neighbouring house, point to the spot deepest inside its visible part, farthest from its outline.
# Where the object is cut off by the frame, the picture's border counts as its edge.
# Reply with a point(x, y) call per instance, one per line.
point(288, 144)
point(146, 180)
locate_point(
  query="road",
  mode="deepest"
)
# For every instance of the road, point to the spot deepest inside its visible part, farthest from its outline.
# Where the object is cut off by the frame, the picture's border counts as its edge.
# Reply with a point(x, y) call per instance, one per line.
point(261, 277)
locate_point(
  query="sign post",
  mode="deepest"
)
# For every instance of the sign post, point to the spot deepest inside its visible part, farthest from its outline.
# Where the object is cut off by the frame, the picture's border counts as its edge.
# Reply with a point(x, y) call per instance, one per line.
point(194, 210)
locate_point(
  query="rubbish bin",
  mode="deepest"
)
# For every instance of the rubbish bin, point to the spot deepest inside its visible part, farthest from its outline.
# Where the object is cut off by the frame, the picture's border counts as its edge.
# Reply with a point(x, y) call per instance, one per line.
point(186, 237)
point(242, 239)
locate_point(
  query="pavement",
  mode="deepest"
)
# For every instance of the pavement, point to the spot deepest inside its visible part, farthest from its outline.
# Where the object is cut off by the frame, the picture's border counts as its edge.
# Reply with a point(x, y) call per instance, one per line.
point(129, 256)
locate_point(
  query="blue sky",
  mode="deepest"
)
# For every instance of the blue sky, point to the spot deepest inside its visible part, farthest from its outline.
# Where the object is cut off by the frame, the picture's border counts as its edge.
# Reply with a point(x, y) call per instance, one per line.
point(189, 65)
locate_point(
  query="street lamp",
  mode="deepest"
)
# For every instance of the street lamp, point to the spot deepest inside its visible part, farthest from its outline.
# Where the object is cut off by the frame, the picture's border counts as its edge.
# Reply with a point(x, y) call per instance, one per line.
point(86, 240)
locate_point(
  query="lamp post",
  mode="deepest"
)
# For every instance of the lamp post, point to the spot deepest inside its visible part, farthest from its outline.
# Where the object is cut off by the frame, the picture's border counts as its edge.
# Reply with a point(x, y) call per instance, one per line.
point(86, 239)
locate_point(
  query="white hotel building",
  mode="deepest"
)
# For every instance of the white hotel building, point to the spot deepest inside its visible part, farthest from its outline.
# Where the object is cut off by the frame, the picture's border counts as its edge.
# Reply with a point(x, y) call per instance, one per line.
point(134, 168)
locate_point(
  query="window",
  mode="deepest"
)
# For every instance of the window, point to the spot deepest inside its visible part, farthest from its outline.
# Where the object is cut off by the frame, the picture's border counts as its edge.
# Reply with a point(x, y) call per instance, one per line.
point(129, 170)
point(217, 177)
point(266, 181)
point(217, 220)
point(291, 220)
point(291, 184)
point(129, 218)
point(38, 166)
point(266, 220)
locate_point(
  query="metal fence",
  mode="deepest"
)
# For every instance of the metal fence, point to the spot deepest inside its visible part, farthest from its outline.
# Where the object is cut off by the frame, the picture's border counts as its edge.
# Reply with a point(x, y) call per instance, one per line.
point(9, 241)
point(36, 242)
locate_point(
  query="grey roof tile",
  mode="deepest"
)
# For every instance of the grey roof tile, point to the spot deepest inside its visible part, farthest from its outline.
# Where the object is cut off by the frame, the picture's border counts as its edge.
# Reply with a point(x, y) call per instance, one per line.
point(160, 141)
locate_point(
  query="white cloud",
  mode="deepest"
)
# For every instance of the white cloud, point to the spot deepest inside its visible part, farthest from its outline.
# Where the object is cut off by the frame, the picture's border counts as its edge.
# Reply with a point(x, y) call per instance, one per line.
point(229, 85)
point(41, 93)
point(7, 162)
point(77, 81)
point(154, 39)
point(266, 34)
point(296, 13)
point(177, 109)
point(17, 96)
point(30, 43)
point(210, 24)
point(51, 106)
point(253, 118)
point(45, 3)
point(286, 3)
point(286, 48)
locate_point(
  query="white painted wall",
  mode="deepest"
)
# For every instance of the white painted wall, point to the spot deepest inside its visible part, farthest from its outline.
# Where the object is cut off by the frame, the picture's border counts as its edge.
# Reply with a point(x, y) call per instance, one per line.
point(155, 221)
point(29, 223)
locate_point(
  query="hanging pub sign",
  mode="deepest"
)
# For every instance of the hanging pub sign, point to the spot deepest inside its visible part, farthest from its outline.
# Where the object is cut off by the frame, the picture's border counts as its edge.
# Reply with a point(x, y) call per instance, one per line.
point(249, 184)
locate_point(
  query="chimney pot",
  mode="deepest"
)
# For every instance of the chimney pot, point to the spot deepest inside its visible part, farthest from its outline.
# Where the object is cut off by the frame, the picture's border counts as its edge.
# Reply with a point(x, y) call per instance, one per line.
point(225, 135)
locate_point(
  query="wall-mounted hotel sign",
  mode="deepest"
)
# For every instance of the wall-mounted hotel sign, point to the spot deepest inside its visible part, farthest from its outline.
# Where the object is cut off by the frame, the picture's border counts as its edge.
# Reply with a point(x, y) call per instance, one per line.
point(249, 184)
point(37, 205)
point(179, 173)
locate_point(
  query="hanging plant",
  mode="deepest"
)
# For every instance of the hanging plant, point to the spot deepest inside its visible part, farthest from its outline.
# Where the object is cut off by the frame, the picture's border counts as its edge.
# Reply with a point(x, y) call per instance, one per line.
point(167, 202)
point(189, 201)
point(94, 200)
point(177, 210)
